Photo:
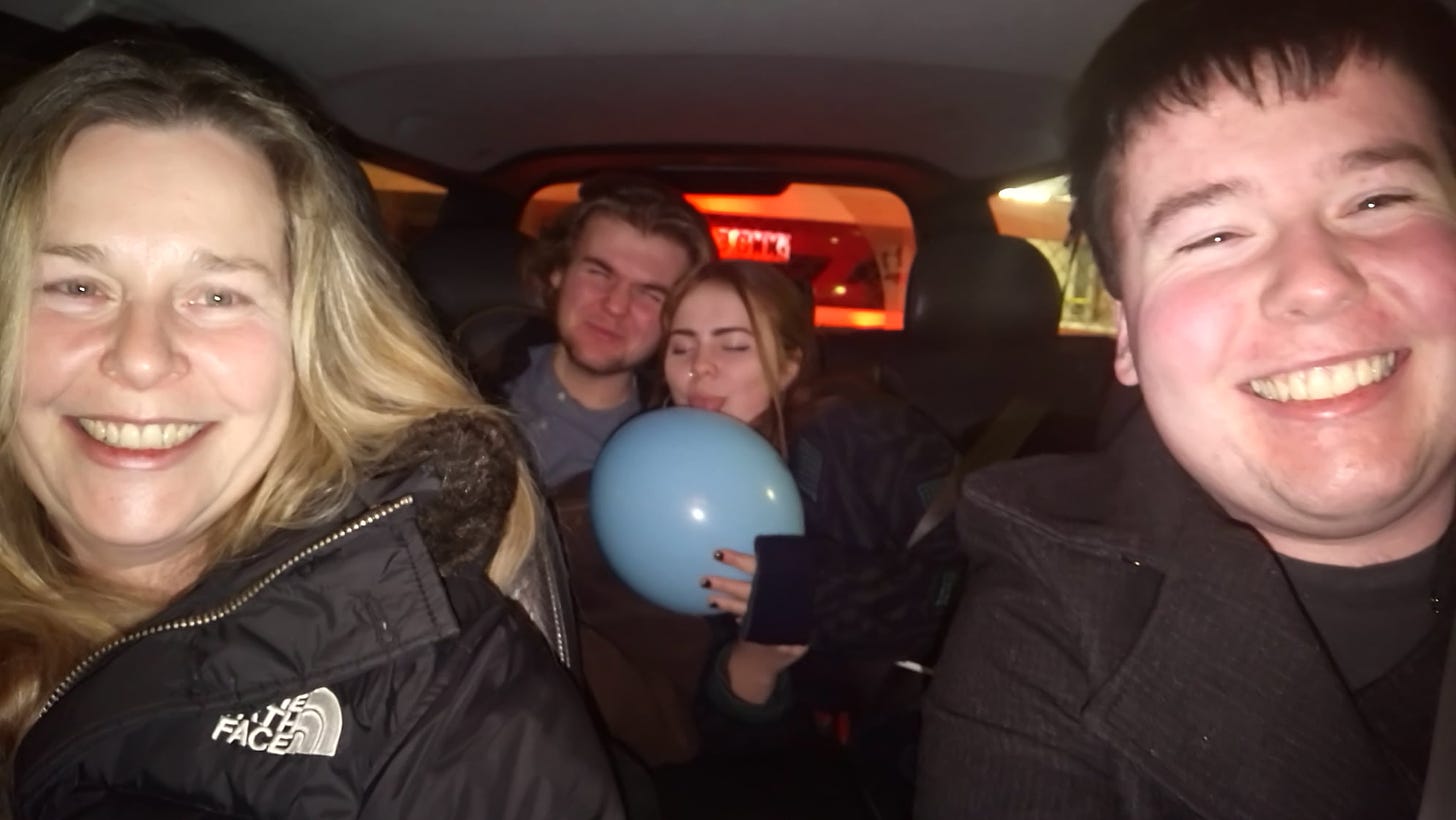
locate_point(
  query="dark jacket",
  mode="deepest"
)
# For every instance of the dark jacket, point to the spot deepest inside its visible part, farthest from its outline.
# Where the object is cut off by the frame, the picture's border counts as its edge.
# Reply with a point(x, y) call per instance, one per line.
point(867, 467)
point(850, 587)
point(362, 668)
point(1125, 649)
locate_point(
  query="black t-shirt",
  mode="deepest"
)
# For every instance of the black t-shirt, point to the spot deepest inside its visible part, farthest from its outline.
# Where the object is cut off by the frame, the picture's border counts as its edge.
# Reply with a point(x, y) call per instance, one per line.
point(1372, 617)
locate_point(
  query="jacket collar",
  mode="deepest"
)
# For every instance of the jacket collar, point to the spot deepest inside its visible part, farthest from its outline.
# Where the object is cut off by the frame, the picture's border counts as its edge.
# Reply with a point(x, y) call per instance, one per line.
point(346, 595)
point(1227, 697)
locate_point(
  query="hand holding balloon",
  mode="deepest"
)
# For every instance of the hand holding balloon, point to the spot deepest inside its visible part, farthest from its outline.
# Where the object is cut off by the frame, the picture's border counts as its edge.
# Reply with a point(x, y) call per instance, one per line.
point(752, 668)
point(672, 486)
point(729, 594)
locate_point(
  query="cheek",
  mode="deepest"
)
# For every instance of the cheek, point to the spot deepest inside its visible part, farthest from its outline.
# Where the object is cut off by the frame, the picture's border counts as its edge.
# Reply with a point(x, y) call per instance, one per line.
point(675, 371)
point(251, 366)
point(57, 351)
point(1185, 333)
point(572, 295)
point(750, 384)
point(1426, 292)
point(647, 316)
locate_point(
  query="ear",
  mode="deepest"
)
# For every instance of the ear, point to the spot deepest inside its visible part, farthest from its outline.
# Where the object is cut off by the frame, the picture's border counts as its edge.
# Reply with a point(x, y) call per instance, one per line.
point(791, 370)
point(555, 278)
point(1123, 364)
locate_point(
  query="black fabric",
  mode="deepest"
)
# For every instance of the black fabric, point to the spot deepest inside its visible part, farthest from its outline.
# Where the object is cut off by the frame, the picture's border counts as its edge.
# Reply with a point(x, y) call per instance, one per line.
point(982, 285)
point(451, 703)
point(1370, 617)
point(1124, 649)
point(469, 261)
point(866, 467)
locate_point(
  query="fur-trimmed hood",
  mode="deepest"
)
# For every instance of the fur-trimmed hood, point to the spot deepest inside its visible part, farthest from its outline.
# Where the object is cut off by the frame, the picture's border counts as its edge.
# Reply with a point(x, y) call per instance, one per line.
point(475, 457)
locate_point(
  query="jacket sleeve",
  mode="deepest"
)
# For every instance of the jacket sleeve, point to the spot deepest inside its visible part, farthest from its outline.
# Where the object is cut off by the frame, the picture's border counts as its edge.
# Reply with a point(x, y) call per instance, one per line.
point(1001, 733)
point(507, 735)
point(728, 725)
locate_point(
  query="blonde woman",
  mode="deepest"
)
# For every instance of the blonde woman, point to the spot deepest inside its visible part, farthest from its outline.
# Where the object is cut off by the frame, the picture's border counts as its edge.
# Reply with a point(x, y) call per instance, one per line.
point(247, 509)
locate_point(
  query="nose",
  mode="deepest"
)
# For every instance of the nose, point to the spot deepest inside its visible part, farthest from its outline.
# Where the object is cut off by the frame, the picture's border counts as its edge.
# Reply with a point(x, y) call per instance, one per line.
point(702, 364)
point(1314, 278)
point(618, 298)
point(143, 352)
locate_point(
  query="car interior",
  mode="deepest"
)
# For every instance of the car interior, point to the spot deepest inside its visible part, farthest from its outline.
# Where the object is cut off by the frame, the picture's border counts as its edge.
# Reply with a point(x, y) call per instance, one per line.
point(899, 160)
point(881, 155)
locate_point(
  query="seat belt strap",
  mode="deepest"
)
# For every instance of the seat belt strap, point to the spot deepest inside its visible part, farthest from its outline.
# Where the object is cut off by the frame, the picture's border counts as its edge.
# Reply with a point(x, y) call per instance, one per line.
point(1001, 440)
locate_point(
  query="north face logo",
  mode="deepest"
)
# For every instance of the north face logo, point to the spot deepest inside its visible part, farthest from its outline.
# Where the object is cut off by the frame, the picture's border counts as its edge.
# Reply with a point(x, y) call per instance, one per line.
point(308, 724)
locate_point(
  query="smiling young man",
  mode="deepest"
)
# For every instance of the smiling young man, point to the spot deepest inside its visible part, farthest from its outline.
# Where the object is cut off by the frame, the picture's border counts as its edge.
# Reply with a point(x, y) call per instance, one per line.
point(604, 265)
point(1242, 609)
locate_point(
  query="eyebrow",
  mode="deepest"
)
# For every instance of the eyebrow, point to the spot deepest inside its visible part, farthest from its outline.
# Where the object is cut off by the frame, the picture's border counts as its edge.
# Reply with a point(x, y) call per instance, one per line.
point(607, 266)
point(85, 254)
point(213, 262)
point(88, 254)
point(1360, 159)
point(601, 263)
point(1389, 153)
point(1202, 196)
point(719, 331)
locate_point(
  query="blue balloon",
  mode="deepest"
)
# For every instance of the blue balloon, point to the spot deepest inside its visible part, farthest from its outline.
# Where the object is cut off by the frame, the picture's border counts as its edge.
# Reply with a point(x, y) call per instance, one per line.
point(671, 486)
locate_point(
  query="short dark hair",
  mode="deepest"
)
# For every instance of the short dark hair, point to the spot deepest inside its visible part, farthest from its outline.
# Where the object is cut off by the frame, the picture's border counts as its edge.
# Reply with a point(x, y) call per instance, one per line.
point(649, 206)
point(1171, 53)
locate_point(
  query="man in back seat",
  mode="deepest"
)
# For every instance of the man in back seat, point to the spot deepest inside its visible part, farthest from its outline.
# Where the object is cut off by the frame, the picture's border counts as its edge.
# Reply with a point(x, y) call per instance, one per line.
point(602, 267)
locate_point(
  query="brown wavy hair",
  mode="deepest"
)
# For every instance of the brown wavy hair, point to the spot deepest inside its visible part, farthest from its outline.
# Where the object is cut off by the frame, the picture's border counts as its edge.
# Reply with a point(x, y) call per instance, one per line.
point(781, 318)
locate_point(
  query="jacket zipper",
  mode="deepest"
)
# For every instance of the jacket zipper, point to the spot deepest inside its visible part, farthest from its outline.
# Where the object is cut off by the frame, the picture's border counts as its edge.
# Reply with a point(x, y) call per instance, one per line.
point(218, 613)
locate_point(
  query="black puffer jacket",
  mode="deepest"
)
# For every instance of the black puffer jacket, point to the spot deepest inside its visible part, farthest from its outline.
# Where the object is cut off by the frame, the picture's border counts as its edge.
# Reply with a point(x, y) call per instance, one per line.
point(338, 672)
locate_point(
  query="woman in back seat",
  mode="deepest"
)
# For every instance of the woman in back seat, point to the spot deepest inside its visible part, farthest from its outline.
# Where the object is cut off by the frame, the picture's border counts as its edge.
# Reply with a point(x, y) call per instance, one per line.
point(834, 609)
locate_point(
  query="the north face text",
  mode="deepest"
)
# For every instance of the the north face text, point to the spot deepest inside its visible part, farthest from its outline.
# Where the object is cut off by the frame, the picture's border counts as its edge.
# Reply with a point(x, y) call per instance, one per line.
point(308, 724)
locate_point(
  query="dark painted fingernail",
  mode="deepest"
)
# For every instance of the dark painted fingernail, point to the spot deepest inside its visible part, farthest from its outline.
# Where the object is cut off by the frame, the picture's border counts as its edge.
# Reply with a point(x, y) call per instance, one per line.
point(712, 605)
point(705, 583)
point(717, 555)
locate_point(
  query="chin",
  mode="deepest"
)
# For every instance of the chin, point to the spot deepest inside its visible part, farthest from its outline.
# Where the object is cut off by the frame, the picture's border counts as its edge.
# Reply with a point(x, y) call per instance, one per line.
point(1345, 512)
point(128, 529)
point(595, 361)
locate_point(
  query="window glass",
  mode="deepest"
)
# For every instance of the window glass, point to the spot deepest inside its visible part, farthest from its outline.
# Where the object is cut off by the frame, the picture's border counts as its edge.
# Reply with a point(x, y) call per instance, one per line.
point(850, 246)
point(1038, 213)
point(408, 206)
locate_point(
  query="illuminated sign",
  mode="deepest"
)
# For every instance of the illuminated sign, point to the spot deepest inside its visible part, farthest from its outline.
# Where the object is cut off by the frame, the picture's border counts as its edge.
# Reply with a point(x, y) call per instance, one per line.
point(758, 246)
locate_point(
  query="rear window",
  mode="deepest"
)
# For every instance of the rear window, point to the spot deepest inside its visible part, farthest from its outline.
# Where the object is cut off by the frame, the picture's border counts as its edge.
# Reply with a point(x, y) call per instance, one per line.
point(408, 206)
point(850, 246)
point(1037, 212)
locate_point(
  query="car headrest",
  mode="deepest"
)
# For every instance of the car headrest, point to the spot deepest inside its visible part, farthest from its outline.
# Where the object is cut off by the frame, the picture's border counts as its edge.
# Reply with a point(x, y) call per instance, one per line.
point(469, 262)
point(982, 286)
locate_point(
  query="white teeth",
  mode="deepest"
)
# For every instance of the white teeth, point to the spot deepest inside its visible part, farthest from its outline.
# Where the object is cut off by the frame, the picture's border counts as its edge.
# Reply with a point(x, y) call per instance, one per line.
point(139, 436)
point(1326, 382)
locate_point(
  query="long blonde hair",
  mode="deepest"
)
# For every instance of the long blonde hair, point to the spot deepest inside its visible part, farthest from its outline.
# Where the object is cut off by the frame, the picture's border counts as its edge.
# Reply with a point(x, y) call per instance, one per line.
point(367, 368)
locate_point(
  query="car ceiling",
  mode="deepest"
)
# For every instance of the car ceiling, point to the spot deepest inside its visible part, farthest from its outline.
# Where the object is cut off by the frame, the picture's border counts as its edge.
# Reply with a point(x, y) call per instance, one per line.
point(972, 86)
